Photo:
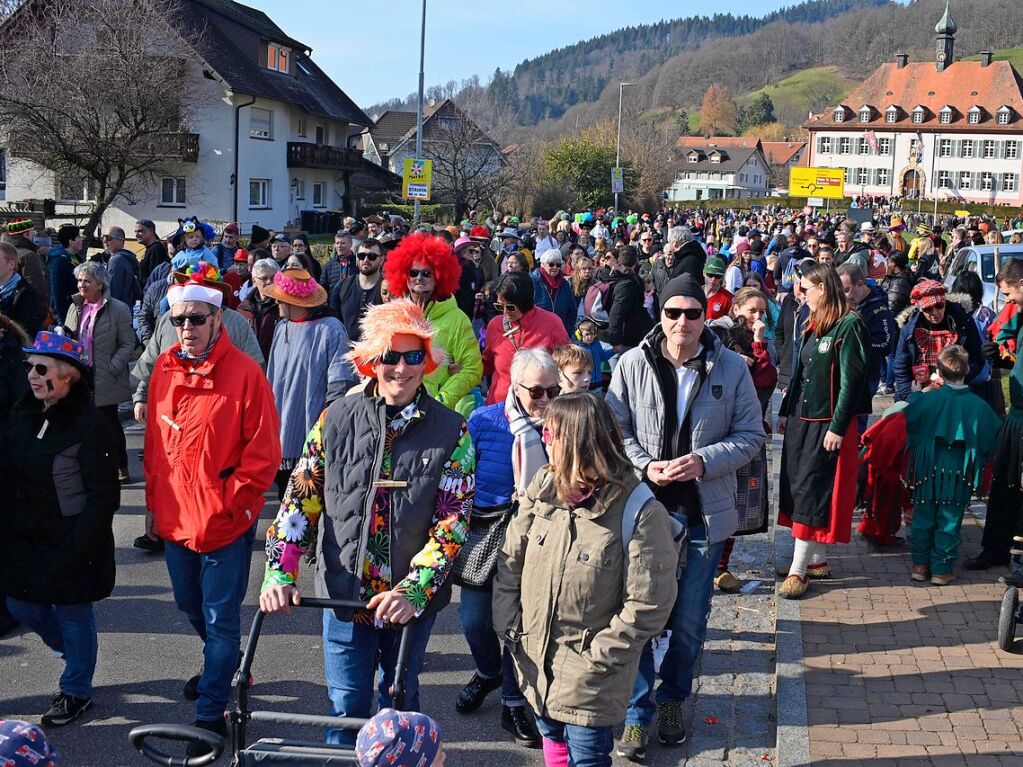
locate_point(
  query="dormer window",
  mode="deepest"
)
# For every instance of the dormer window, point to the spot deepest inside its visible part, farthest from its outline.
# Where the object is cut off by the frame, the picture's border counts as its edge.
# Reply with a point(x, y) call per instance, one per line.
point(866, 112)
point(839, 114)
point(278, 57)
point(891, 114)
point(974, 115)
point(919, 113)
point(693, 157)
point(715, 158)
point(1004, 115)
point(945, 115)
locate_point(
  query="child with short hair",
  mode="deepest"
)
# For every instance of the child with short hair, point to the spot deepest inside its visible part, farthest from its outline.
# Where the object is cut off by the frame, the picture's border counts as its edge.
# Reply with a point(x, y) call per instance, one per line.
point(950, 434)
point(399, 739)
point(587, 336)
point(575, 368)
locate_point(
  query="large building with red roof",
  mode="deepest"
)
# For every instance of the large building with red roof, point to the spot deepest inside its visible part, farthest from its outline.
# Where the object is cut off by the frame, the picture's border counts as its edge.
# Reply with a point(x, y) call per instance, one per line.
point(944, 129)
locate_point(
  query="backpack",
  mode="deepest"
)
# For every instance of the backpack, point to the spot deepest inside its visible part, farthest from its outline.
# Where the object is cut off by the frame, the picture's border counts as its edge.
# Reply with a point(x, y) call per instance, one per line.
point(597, 303)
point(788, 273)
point(638, 498)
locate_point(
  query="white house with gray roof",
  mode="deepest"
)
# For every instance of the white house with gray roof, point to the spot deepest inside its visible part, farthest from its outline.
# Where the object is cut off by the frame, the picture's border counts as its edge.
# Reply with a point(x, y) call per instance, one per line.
point(719, 168)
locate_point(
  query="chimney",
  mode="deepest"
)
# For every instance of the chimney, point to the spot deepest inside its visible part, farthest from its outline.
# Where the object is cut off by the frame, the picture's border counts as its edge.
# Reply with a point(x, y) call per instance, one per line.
point(985, 58)
point(902, 59)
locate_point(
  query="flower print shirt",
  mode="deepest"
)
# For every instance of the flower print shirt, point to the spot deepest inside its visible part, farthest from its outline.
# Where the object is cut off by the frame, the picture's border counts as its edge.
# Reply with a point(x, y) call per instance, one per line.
point(293, 532)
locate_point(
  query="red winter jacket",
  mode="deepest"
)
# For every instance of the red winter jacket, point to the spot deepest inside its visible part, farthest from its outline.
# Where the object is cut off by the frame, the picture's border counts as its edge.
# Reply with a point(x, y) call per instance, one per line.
point(212, 446)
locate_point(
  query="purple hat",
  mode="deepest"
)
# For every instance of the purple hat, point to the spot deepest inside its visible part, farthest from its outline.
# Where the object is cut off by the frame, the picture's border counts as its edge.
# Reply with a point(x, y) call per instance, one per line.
point(24, 745)
point(398, 739)
point(61, 347)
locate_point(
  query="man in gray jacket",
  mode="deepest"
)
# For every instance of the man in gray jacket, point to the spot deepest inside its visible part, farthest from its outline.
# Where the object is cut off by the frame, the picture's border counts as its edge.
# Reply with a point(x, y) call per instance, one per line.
point(690, 417)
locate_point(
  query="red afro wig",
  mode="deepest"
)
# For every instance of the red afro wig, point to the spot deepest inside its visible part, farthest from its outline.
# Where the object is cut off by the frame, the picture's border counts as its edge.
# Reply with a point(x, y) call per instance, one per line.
point(426, 249)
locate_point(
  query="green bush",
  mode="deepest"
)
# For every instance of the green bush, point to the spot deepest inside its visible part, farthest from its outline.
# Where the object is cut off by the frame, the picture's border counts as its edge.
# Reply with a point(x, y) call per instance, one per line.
point(909, 208)
point(435, 214)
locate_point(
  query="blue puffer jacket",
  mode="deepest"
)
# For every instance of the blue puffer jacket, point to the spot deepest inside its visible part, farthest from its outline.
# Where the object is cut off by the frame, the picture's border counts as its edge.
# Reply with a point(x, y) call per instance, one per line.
point(562, 303)
point(488, 427)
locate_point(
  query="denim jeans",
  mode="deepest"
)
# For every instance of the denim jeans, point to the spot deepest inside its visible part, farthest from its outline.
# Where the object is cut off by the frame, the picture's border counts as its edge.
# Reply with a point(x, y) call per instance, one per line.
point(889, 371)
point(352, 655)
point(587, 746)
point(209, 589)
point(477, 618)
point(68, 630)
point(688, 624)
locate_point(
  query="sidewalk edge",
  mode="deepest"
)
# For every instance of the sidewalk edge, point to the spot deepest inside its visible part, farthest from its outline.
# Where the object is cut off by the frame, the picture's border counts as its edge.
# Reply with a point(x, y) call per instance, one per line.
point(793, 746)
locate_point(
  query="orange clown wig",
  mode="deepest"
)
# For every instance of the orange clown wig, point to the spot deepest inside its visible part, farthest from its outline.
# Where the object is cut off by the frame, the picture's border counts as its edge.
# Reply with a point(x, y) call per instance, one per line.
point(382, 323)
point(425, 249)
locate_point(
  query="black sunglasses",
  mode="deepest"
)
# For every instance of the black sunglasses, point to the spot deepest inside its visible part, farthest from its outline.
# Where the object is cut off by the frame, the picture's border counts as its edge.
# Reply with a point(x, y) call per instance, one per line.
point(691, 314)
point(424, 273)
point(195, 319)
point(368, 256)
point(413, 357)
point(536, 392)
point(39, 367)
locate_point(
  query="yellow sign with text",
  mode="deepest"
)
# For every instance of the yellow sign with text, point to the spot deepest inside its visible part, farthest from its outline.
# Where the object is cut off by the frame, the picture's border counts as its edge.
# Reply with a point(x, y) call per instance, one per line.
point(416, 178)
point(817, 182)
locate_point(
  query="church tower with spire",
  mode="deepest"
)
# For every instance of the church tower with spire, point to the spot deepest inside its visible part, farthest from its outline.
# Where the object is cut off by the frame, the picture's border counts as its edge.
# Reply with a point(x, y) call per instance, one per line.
point(946, 30)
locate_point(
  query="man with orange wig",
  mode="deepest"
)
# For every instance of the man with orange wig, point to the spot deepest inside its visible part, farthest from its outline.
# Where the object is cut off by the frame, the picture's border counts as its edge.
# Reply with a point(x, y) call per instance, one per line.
point(424, 269)
point(391, 473)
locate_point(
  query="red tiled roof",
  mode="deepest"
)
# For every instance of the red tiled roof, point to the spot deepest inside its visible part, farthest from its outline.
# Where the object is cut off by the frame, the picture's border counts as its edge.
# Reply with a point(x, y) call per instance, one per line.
point(962, 85)
point(781, 152)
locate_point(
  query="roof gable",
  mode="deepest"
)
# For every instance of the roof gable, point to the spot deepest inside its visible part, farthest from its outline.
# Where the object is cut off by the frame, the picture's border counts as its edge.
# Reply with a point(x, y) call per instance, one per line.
point(782, 152)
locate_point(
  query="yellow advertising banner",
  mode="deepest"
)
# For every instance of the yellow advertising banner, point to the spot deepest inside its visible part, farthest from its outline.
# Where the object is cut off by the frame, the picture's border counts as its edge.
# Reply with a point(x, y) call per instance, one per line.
point(817, 182)
point(416, 179)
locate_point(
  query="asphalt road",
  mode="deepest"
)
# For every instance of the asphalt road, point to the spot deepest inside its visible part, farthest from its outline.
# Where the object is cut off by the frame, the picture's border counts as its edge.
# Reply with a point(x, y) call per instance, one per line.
point(147, 650)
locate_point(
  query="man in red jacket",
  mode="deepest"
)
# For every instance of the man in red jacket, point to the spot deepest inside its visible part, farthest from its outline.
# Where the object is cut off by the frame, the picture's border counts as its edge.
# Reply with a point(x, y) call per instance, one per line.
point(211, 451)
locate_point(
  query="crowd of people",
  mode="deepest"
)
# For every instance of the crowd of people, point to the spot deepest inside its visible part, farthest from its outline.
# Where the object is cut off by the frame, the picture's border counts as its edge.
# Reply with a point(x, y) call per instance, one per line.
point(565, 418)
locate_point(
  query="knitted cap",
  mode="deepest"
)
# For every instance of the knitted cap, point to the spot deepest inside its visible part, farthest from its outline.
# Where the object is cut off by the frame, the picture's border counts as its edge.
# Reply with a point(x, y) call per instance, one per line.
point(684, 285)
point(20, 225)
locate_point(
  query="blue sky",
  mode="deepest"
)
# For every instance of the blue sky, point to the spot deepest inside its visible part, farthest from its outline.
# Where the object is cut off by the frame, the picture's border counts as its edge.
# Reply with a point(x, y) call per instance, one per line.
point(372, 51)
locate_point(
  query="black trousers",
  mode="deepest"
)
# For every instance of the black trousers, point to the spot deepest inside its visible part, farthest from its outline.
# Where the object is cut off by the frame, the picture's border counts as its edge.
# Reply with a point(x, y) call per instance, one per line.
point(110, 413)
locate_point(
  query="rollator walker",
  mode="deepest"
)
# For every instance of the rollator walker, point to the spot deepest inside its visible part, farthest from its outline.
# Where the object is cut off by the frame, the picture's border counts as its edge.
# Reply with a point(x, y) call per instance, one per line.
point(267, 752)
point(1011, 613)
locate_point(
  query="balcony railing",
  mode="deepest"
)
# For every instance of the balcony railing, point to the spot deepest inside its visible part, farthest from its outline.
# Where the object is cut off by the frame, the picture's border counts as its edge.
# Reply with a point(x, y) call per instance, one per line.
point(183, 147)
point(305, 155)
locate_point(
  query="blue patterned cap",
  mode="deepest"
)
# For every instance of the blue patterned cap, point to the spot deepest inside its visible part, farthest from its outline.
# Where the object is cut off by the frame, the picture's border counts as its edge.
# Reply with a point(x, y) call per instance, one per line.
point(52, 345)
point(398, 739)
point(25, 745)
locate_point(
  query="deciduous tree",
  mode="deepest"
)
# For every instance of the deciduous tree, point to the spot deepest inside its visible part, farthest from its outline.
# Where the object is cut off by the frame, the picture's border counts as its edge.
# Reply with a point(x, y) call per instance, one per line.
point(719, 114)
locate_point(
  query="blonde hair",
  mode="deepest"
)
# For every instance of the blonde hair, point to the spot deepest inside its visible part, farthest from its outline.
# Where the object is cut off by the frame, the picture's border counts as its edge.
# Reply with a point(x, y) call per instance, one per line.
point(743, 296)
point(570, 354)
point(590, 451)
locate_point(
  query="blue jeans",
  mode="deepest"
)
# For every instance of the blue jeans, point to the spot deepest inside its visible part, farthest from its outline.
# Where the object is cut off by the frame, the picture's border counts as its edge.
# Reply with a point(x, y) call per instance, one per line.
point(68, 630)
point(209, 589)
point(587, 746)
point(352, 654)
point(476, 615)
point(889, 372)
point(688, 624)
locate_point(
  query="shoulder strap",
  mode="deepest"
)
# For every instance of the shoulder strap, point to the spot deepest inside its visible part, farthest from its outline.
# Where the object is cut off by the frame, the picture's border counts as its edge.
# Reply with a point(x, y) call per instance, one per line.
point(638, 498)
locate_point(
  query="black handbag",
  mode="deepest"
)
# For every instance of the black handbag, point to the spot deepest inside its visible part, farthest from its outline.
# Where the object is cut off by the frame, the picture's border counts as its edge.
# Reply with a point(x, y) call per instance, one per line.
point(476, 562)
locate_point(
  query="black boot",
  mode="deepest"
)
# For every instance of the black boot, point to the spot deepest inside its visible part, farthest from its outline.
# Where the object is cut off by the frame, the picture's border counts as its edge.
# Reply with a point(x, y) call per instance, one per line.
point(198, 747)
point(518, 722)
point(473, 694)
point(985, 560)
point(7, 621)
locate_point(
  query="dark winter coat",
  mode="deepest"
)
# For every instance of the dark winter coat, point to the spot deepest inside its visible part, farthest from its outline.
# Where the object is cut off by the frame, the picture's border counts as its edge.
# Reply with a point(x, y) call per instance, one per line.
point(898, 287)
point(906, 352)
point(691, 258)
point(13, 381)
point(30, 266)
point(62, 280)
point(124, 272)
point(561, 301)
point(786, 336)
point(61, 492)
point(628, 319)
point(156, 254)
point(22, 306)
point(881, 326)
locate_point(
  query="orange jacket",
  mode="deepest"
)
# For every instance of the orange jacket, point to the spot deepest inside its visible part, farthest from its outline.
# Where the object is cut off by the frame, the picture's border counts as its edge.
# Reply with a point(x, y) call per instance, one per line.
point(212, 446)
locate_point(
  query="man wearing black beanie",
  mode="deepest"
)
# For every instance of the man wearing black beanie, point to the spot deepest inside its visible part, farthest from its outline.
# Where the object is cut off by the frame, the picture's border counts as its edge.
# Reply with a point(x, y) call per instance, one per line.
point(690, 418)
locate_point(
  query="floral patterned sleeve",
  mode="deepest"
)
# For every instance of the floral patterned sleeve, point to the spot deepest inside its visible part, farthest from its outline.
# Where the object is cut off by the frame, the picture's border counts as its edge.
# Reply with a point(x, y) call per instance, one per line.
point(293, 531)
point(430, 568)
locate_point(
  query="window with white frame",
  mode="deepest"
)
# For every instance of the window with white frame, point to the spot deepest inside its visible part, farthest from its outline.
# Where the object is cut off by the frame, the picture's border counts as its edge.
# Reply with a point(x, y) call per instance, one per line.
point(1011, 150)
point(299, 189)
point(1008, 182)
point(715, 159)
point(989, 150)
point(987, 181)
point(965, 180)
point(839, 114)
point(882, 177)
point(318, 201)
point(891, 115)
point(967, 149)
point(277, 57)
point(77, 189)
point(302, 127)
point(322, 134)
point(944, 179)
point(825, 145)
point(863, 146)
point(865, 115)
point(945, 116)
point(945, 148)
point(693, 157)
point(918, 115)
point(862, 176)
point(261, 123)
point(884, 146)
point(172, 191)
point(1003, 116)
point(974, 116)
point(844, 145)
point(259, 193)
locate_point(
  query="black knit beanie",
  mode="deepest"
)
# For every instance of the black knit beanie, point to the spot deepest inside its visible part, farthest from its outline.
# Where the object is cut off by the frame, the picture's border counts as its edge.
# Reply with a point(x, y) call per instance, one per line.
point(684, 285)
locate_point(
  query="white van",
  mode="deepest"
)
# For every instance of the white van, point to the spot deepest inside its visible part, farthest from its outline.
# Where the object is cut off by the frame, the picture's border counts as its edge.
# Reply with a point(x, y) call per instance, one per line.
point(981, 259)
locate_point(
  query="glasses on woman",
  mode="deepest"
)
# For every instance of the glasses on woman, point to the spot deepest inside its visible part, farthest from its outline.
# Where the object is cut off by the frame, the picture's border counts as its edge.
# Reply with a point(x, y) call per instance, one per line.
point(420, 273)
point(690, 314)
point(40, 368)
point(505, 308)
point(538, 392)
point(195, 319)
point(411, 357)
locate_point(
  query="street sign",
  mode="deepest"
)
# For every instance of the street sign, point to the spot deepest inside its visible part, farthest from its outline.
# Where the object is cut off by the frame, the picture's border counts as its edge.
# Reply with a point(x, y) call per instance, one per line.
point(815, 202)
point(416, 177)
point(817, 182)
point(617, 181)
point(963, 213)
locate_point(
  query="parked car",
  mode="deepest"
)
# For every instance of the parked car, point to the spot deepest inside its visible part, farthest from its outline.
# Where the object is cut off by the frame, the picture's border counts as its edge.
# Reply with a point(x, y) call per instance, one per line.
point(981, 259)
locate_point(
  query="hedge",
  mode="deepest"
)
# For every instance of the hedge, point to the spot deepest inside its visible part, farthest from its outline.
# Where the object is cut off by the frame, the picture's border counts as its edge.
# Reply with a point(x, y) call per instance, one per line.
point(909, 207)
point(433, 213)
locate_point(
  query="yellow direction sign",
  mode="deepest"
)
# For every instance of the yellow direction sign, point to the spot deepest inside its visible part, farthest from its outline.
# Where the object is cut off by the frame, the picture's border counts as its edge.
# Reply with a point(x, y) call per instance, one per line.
point(416, 179)
point(817, 182)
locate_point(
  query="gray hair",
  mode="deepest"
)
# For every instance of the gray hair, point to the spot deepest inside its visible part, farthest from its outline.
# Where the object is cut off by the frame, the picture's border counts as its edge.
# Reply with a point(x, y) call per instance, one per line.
point(680, 234)
point(95, 271)
point(266, 263)
point(526, 359)
point(116, 233)
point(551, 255)
point(855, 273)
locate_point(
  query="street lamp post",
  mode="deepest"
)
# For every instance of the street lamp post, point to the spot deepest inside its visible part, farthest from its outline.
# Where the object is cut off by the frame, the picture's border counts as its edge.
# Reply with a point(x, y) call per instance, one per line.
point(618, 141)
point(419, 114)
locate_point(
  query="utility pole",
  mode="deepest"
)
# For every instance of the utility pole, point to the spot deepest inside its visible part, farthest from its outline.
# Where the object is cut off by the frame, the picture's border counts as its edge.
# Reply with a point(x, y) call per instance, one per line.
point(419, 114)
point(618, 142)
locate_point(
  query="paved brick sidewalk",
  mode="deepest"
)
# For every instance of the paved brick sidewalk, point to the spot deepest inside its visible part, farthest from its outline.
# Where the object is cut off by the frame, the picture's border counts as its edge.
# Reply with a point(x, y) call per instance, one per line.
point(908, 674)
